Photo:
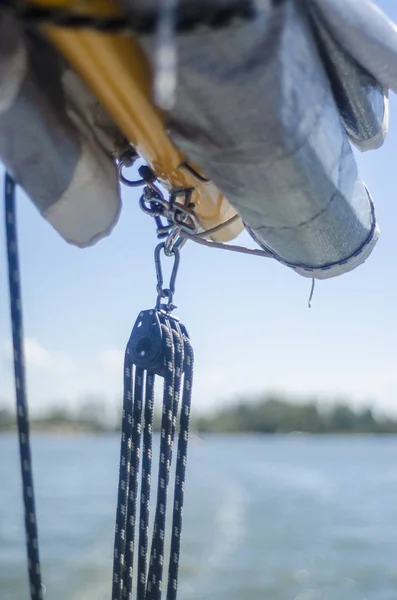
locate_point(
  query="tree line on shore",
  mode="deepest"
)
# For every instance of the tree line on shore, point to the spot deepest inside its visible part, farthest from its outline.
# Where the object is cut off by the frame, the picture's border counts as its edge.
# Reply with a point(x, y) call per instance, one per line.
point(275, 415)
point(266, 415)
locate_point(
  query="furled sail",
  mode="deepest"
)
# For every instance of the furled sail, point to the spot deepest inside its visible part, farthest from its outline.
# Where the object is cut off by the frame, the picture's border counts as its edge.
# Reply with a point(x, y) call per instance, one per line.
point(266, 106)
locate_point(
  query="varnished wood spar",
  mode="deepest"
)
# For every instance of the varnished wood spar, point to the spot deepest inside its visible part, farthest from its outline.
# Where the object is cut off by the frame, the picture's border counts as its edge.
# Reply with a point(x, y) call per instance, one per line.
point(117, 72)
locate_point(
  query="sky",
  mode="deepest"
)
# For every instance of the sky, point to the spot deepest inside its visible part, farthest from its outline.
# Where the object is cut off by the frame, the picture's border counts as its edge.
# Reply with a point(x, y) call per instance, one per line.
point(248, 317)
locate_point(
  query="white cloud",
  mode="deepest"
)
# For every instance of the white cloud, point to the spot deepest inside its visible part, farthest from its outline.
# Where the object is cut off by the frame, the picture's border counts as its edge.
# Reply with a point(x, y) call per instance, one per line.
point(217, 384)
point(50, 375)
point(54, 375)
point(111, 358)
point(38, 357)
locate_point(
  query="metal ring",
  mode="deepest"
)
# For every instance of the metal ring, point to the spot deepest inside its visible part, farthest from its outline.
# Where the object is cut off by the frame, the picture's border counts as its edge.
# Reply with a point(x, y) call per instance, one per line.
point(171, 241)
point(186, 221)
point(156, 189)
point(149, 207)
point(128, 182)
point(169, 306)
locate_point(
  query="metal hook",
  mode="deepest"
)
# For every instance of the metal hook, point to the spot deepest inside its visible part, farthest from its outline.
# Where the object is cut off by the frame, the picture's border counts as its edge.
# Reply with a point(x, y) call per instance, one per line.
point(161, 291)
point(128, 161)
point(174, 240)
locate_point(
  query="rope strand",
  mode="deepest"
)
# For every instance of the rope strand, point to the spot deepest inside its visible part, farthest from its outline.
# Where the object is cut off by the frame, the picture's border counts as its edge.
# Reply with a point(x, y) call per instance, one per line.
point(146, 479)
point(123, 491)
point(32, 546)
point(239, 11)
point(179, 489)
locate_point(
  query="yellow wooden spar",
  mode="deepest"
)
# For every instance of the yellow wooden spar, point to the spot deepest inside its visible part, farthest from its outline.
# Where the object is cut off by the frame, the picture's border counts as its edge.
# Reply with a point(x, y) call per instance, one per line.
point(117, 72)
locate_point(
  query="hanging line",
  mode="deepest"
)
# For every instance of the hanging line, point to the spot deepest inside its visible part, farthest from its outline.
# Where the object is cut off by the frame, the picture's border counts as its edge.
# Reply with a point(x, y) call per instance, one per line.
point(32, 547)
point(159, 345)
point(311, 293)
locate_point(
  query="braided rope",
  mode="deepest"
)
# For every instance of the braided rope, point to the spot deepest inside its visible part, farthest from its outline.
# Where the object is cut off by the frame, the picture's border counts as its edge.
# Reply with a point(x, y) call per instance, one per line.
point(180, 476)
point(133, 482)
point(155, 574)
point(36, 588)
point(145, 486)
point(137, 427)
point(123, 491)
point(240, 10)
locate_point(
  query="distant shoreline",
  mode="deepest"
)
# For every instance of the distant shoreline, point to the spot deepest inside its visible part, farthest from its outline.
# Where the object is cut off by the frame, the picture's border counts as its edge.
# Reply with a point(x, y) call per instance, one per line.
point(60, 431)
point(268, 415)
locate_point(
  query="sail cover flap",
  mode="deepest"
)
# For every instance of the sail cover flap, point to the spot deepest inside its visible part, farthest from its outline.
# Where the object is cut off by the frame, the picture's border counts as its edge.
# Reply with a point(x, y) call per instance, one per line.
point(55, 139)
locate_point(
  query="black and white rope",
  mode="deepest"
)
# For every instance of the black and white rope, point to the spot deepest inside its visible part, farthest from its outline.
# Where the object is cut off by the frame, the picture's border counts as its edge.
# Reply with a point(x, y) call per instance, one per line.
point(185, 22)
point(179, 489)
point(36, 587)
point(156, 564)
point(146, 481)
point(137, 427)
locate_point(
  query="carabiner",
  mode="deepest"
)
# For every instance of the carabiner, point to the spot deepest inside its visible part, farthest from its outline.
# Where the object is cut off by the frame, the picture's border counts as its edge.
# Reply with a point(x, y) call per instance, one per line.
point(161, 291)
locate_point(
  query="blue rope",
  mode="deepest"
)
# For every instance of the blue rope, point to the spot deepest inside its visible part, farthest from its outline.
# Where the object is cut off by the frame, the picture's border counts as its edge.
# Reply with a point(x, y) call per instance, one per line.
point(125, 466)
point(147, 449)
point(133, 482)
point(137, 425)
point(155, 575)
point(180, 473)
point(36, 589)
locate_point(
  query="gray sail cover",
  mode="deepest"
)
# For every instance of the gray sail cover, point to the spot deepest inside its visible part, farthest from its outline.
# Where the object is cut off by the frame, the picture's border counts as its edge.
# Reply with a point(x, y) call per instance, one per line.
point(55, 139)
point(268, 108)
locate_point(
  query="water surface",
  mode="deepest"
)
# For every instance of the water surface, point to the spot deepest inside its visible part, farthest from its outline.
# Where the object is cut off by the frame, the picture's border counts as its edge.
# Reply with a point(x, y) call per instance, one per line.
point(275, 518)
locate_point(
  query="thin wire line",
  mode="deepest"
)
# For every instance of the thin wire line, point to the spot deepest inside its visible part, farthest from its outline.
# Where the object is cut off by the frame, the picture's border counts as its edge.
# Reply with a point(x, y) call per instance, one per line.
point(222, 246)
point(209, 232)
point(311, 293)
